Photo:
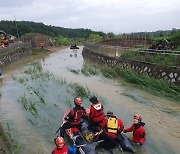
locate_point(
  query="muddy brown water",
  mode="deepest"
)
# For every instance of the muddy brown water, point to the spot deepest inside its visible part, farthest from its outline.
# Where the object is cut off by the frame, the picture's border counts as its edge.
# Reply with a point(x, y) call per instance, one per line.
point(35, 135)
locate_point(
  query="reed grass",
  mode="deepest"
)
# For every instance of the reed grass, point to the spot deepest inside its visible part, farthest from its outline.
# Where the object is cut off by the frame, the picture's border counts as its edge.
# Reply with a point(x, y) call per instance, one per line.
point(58, 80)
point(28, 105)
point(35, 85)
point(15, 147)
point(88, 70)
point(35, 70)
point(80, 91)
point(75, 71)
point(158, 87)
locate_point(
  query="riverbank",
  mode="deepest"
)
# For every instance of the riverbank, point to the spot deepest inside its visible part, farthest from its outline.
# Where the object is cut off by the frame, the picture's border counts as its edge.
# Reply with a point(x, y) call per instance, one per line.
point(156, 70)
point(14, 52)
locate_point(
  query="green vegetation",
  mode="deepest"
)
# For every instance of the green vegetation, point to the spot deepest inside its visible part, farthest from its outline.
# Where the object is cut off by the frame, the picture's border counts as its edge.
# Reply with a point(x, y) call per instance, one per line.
point(110, 35)
point(57, 80)
point(25, 27)
point(156, 86)
point(88, 70)
point(95, 37)
point(37, 93)
point(38, 83)
point(28, 105)
point(61, 40)
point(68, 36)
point(14, 145)
point(35, 71)
point(173, 36)
point(162, 59)
point(60, 35)
point(80, 91)
point(75, 71)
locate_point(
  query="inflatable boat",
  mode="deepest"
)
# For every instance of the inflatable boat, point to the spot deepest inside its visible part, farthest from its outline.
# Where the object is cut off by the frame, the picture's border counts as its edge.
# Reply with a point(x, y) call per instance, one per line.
point(74, 47)
point(87, 141)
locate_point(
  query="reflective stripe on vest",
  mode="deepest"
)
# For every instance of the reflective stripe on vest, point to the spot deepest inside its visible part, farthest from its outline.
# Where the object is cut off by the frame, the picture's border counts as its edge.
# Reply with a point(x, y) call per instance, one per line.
point(112, 125)
point(77, 114)
point(97, 106)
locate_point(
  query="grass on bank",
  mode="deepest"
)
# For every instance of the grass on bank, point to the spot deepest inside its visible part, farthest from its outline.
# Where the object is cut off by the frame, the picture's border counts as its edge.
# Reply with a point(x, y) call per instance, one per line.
point(162, 59)
point(88, 70)
point(158, 87)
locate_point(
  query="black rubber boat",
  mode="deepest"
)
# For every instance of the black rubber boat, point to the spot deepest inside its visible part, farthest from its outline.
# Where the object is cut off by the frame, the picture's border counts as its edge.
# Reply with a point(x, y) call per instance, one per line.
point(86, 141)
point(74, 47)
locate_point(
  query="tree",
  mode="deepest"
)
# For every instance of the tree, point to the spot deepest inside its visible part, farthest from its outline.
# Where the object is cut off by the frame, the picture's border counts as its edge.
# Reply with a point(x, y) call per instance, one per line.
point(94, 37)
point(60, 40)
point(175, 38)
point(110, 35)
point(25, 27)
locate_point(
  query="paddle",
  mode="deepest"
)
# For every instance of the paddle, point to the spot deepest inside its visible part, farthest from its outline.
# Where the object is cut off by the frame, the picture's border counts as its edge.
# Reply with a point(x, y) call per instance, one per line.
point(59, 128)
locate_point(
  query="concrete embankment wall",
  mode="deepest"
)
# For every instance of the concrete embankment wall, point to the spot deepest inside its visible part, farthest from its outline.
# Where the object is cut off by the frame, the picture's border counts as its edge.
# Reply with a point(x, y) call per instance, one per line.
point(14, 52)
point(172, 74)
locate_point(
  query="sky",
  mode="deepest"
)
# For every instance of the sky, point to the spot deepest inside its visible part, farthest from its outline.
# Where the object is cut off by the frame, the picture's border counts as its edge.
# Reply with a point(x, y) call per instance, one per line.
point(117, 16)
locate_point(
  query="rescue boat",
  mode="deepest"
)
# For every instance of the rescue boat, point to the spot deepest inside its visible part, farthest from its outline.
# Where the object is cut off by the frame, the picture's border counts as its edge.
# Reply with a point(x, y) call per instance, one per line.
point(87, 141)
point(74, 47)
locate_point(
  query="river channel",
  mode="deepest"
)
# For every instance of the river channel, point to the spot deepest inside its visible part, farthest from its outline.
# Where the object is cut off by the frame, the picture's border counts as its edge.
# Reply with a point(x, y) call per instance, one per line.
point(35, 134)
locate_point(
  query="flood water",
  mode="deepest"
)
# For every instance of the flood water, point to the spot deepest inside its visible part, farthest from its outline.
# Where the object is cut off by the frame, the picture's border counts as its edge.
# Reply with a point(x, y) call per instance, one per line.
point(35, 134)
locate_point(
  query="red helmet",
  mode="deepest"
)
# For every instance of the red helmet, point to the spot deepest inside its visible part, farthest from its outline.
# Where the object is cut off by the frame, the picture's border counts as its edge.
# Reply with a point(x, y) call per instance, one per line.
point(59, 142)
point(138, 117)
point(78, 101)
